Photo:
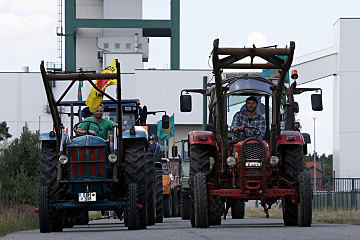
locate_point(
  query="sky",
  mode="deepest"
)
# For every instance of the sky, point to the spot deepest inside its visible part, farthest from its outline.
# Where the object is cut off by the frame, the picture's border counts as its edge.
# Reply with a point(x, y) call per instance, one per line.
point(28, 35)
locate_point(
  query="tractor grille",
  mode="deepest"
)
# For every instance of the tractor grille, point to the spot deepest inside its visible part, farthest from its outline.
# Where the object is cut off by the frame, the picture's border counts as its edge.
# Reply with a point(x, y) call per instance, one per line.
point(253, 151)
point(253, 171)
point(87, 162)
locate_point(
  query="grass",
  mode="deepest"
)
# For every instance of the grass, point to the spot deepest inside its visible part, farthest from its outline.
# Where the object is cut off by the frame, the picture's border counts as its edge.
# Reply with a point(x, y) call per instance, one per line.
point(18, 217)
point(351, 217)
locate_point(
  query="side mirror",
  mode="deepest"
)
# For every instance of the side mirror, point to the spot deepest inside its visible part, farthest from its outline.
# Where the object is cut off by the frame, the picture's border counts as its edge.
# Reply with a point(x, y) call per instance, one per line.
point(143, 115)
point(165, 122)
point(295, 107)
point(185, 103)
point(316, 102)
point(174, 151)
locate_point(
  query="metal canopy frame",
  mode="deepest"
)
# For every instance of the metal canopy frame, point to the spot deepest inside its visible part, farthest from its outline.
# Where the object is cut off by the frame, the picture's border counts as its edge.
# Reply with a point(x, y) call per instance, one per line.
point(228, 61)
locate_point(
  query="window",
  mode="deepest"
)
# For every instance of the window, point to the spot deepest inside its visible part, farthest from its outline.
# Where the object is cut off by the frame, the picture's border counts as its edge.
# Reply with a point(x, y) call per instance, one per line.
point(117, 45)
point(128, 45)
point(106, 45)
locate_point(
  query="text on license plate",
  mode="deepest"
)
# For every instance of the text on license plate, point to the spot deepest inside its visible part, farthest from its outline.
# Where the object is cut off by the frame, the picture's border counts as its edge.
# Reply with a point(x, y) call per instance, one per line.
point(253, 164)
point(87, 197)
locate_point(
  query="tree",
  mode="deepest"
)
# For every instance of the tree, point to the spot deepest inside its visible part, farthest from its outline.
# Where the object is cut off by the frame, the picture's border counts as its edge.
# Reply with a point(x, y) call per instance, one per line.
point(4, 131)
point(20, 168)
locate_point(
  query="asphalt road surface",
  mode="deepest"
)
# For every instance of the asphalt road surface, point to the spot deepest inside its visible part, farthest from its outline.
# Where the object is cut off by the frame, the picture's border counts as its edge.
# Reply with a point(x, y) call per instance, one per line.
point(175, 228)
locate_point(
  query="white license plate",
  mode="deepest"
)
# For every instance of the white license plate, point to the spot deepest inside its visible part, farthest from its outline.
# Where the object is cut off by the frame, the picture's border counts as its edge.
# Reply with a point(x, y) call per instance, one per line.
point(253, 164)
point(87, 197)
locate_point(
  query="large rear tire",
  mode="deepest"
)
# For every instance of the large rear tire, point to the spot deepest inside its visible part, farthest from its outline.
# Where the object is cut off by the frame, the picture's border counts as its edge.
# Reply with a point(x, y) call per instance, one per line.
point(215, 212)
point(305, 194)
point(151, 194)
point(132, 213)
point(201, 201)
point(237, 208)
point(185, 205)
point(293, 164)
point(135, 172)
point(48, 168)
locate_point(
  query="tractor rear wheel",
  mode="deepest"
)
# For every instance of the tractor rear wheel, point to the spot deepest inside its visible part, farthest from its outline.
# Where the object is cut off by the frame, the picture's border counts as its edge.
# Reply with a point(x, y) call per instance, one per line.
point(185, 205)
point(200, 201)
point(44, 210)
point(215, 211)
point(237, 208)
point(167, 205)
point(305, 194)
point(132, 213)
point(48, 167)
point(151, 201)
point(135, 172)
point(159, 195)
point(293, 164)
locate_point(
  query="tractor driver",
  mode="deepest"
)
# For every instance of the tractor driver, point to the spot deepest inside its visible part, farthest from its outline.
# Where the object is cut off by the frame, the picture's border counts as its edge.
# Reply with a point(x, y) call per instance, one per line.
point(105, 124)
point(249, 118)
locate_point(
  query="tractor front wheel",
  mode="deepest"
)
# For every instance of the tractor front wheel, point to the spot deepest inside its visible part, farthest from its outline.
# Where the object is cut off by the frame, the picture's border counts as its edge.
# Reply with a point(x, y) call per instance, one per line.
point(185, 205)
point(44, 210)
point(132, 213)
point(237, 208)
point(200, 201)
point(305, 194)
point(167, 205)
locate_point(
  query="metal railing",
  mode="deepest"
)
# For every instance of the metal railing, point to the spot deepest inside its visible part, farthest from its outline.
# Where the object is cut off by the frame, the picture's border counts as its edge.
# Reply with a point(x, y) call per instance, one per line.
point(336, 193)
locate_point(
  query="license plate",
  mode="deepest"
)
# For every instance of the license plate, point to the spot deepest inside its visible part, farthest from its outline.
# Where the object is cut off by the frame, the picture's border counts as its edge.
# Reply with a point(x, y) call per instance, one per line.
point(253, 164)
point(87, 197)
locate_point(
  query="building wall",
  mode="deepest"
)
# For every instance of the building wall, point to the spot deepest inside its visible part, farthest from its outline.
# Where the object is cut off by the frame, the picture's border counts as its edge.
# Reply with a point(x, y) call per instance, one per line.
point(346, 130)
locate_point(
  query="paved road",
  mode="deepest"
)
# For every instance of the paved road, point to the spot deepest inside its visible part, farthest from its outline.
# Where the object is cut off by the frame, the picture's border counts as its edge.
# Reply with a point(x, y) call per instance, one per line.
point(175, 228)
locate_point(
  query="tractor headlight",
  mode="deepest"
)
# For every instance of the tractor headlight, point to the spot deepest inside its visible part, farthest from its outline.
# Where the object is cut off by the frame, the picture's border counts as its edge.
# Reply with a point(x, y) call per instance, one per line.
point(112, 158)
point(231, 161)
point(274, 161)
point(63, 159)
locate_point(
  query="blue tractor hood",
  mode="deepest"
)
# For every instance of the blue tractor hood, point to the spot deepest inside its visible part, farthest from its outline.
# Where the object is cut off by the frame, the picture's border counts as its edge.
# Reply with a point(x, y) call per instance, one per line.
point(87, 140)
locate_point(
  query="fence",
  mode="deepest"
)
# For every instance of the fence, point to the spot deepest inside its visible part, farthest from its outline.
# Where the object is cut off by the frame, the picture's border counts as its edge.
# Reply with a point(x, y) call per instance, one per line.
point(337, 193)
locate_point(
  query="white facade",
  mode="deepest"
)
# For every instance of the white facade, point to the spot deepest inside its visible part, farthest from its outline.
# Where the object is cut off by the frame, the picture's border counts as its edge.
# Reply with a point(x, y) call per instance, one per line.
point(157, 89)
point(342, 61)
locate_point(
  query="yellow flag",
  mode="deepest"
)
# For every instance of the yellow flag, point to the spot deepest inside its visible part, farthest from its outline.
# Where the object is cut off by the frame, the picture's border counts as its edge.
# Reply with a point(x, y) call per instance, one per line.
point(95, 97)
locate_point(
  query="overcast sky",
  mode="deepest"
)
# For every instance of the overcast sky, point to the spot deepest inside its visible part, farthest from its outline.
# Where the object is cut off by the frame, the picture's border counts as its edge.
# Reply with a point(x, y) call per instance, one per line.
point(28, 35)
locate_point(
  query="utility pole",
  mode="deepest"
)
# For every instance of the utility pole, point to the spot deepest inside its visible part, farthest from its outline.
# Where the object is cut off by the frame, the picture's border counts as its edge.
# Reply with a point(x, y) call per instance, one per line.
point(314, 159)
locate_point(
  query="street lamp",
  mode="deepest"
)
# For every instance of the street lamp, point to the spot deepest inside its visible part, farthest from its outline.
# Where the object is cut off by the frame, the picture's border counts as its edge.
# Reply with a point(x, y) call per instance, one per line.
point(314, 159)
point(39, 122)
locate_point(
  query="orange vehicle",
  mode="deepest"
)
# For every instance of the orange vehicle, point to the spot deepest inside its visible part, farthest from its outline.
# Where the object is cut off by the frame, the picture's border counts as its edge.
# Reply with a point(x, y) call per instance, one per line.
point(170, 193)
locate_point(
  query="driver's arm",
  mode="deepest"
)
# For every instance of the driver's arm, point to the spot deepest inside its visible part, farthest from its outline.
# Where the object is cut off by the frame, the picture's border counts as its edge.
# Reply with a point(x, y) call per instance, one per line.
point(81, 131)
point(236, 124)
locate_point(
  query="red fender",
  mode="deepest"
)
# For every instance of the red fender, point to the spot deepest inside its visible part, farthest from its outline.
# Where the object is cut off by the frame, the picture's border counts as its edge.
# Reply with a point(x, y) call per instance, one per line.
point(201, 137)
point(291, 137)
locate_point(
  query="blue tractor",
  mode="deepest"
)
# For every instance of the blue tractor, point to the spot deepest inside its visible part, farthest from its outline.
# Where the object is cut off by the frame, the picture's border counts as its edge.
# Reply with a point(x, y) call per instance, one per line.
point(88, 173)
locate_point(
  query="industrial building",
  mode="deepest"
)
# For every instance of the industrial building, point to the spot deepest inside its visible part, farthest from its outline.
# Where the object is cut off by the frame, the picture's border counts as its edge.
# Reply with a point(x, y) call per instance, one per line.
point(93, 33)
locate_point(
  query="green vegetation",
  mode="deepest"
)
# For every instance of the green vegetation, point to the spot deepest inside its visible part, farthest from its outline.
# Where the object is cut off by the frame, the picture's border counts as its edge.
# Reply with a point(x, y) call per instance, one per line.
point(351, 217)
point(15, 218)
point(19, 180)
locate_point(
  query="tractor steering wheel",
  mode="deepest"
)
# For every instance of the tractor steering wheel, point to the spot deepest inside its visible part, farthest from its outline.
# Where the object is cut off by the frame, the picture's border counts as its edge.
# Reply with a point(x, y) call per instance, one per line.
point(258, 132)
point(87, 132)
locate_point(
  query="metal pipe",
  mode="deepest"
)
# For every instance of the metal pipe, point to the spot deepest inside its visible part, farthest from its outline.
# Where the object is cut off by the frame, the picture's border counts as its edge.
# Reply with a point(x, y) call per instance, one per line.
point(204, 103)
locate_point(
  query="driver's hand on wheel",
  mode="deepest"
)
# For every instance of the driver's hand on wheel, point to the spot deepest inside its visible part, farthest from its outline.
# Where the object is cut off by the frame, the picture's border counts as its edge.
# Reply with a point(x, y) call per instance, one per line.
point(239, 129)
point(92, 132)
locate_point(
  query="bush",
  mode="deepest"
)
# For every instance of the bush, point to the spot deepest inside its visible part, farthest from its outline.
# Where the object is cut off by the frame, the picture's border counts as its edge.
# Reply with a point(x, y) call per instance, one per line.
point(20, 168)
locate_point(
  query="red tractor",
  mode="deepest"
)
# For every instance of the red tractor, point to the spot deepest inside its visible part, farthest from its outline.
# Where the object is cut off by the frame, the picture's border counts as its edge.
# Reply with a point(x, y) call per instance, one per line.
point(228, 170)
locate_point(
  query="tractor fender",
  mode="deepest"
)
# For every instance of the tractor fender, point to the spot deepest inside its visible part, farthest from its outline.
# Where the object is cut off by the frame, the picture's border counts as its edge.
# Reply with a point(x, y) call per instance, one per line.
point(47, 136)
point(139, 133)
point(201, 137)
point(291, 137)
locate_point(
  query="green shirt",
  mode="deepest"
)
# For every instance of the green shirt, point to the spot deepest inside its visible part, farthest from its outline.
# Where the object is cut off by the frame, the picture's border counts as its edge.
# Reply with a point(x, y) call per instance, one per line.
point(105, 125)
